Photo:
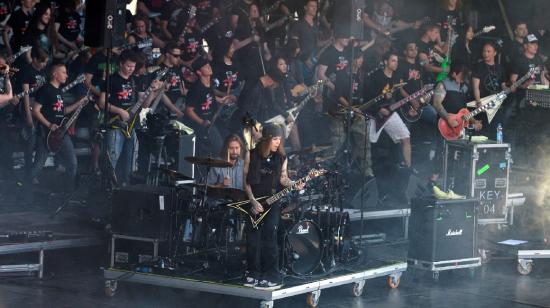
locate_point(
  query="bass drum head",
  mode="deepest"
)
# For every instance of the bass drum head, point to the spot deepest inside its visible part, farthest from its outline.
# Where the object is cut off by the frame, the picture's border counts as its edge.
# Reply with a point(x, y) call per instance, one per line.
point(304, 241)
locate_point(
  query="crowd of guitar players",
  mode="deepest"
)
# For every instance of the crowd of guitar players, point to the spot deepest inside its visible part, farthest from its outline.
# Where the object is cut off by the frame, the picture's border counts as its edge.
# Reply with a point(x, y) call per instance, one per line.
point(212, 64)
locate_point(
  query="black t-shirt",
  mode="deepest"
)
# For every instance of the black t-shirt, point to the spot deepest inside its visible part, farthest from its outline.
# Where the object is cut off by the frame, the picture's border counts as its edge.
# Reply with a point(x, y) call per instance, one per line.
point(31, 76)
point(191, 46)
point(225, 75)
point(378, 84)
point(411, 74)
point(69, 25)
point(176, 16)
point(175, 79)
point(52, 103)
point(427, 49)
point(123, 91)
point(97, 65)
point(19, 22)
point(522, 64)
point(143, 81)
point(307, 36)
point(442, 18)
point(201, 98)
point(204, 10)
point(336, 61)
point(343, 87)
point(490, 78)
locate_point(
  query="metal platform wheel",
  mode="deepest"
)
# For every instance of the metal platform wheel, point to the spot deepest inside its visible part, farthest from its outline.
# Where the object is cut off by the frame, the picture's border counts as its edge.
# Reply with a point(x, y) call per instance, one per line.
point(313, 298)
point(394, 280)
point(357, 288)
point(110, 288)
point(435, 276)
point(266, 304)
point(524, 267)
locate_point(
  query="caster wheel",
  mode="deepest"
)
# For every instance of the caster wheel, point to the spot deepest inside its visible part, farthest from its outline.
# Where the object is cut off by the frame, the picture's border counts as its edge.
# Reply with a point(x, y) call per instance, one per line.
point(313, 298)
point(357, 288)
point(394, 281)
point(435, 276)
point(110, 288)
point(525, 270)
point(266, 304)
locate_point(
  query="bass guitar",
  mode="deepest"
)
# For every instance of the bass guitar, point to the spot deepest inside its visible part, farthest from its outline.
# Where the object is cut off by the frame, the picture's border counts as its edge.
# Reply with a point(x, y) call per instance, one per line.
point(127, 127)
point(423, 94)
point(54, 141)
point(498, 98)
point(268, 201)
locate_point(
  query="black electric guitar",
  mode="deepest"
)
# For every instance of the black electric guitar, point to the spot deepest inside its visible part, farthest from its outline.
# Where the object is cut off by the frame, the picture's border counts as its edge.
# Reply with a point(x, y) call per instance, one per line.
point(268, 201)
point(79, 79)
point(423, 101)
point(54, 140)
point(365, 106)
point(425, 93)
point(133, 112)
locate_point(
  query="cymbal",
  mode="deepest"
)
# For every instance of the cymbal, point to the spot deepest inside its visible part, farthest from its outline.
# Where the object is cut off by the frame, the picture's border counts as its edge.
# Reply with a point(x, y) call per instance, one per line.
point(312, 149)
point(319, 160)
point(207, 161)
point(222, 192)
point(174, 174)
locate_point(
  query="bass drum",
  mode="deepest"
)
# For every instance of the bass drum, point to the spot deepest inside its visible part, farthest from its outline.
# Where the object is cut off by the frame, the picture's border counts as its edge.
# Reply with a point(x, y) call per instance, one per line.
point(303, 247)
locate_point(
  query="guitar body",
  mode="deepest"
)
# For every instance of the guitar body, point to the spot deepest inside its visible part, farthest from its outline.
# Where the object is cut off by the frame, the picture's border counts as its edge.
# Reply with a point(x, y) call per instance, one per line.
point(246, 208)
point(404, 112)
point(54, 141)
point(453, 133)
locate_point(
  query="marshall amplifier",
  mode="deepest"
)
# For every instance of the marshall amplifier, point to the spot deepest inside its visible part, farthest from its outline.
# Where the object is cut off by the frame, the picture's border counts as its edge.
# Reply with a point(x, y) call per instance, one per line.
point(142, 211)
point(442, 230)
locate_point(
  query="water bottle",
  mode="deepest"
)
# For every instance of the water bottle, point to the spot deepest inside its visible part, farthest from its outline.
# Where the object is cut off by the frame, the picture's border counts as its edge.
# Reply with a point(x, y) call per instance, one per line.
point(500, 135)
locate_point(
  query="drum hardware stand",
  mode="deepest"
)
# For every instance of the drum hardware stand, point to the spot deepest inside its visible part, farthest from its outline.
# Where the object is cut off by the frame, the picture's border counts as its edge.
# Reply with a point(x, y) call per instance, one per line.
point(160, 155)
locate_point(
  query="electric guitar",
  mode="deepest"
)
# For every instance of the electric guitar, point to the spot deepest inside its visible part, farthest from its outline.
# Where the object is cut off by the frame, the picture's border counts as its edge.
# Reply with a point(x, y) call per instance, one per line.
point(364, 107)
point(133, 112)
point(267, 201)
point(294, 112)
point(462, 117)
point(498, 98)
point(426, 92)
point(54, 141)
point(423, 101)
point(276, 23)
point(209, 25)
point(79, 79)
point(16, 55)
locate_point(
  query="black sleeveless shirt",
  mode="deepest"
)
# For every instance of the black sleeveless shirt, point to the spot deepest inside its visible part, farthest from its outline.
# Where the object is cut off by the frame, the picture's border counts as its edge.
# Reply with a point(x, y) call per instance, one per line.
point(264, 174)
point(456, 96)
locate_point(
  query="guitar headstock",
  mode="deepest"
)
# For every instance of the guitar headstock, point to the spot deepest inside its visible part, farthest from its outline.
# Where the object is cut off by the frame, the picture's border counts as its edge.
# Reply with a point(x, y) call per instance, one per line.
point(25, 49)
point(428, 87)
point(192, 11)
point(313, 173)
point(488, 29)
point(398, 86)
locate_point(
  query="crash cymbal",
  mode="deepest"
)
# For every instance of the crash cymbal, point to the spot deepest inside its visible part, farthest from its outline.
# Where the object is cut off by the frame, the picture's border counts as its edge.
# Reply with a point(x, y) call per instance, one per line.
point(312, 149)
point(207, 161)
point(319, 160)
point(227, 193)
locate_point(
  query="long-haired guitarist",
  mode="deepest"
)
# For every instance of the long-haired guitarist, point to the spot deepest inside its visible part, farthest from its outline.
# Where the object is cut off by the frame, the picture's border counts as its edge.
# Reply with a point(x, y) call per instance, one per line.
point(266, 172)
point(122, 96)
point(49, 110)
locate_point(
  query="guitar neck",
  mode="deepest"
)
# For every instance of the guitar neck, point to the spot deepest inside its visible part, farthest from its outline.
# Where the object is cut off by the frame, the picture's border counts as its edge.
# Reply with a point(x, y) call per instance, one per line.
point(75, 115)
point(278, 196)
point(407, 99)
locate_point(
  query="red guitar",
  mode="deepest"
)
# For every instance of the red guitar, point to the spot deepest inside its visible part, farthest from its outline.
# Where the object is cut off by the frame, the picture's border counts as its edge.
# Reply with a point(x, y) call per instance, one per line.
point(462, 117)
point(55, 138)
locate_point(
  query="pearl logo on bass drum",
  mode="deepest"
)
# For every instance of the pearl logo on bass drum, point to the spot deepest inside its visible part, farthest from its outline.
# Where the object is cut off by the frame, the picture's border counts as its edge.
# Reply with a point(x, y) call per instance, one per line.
point(302, 230)
point(453, 232)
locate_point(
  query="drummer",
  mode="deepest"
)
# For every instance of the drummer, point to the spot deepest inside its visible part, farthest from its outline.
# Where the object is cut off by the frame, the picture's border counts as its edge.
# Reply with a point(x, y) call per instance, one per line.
point(231, 177)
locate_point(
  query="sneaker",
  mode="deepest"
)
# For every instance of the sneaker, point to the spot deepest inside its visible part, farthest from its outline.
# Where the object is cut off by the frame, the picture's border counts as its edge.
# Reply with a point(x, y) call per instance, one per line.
point(268, 285)
point(452, 195)
point(250, 282)
point(439, 194)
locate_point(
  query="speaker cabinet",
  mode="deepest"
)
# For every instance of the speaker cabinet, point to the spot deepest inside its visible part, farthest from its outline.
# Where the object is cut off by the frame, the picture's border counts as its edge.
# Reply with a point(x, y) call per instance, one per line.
point(105, 23)
point(142, 211)
point(442, 230)
point(347, 18)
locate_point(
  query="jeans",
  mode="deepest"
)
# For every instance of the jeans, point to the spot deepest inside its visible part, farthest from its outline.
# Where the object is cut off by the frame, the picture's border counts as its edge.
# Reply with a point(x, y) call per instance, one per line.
point(121, 148)
point(29, 136)
point(262, 248)
point(66, 153)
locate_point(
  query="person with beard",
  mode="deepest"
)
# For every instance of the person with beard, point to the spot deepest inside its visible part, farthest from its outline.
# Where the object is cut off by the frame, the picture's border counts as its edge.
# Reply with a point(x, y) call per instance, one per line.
point(233, 151)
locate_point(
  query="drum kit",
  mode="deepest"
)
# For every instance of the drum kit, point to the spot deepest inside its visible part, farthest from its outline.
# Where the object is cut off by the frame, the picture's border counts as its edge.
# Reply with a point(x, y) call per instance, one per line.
point(313, 238)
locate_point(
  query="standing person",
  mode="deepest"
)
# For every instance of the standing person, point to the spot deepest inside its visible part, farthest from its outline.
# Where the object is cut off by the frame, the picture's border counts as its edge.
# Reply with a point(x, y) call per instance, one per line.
point(49, 110)
point(488, 77)
point(6, 112)
point(514, 47)
point(122, 96)
point(266, 173)
point(17, 26)
point(200, 107)
point(233, 151)
point(67, 25)
point(305, 31)
point(427, 46)
point(173, 98)
point(30, 77)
